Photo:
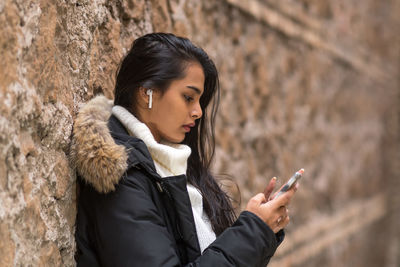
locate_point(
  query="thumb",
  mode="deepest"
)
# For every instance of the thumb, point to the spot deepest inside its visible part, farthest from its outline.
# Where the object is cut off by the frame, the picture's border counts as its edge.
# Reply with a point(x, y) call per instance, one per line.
point(284, 198)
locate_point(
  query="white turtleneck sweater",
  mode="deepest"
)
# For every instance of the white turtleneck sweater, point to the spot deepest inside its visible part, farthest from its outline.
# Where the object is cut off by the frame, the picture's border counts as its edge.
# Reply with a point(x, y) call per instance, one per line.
point(170, 160)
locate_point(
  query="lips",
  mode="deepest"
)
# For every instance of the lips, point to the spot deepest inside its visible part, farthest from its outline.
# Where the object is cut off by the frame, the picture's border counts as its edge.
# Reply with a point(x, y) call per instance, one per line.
point(190, 124)
point(188, 127)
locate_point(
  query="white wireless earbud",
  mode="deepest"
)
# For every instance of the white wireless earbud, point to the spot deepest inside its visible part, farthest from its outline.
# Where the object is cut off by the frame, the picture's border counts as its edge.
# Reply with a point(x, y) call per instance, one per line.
point(149, 92)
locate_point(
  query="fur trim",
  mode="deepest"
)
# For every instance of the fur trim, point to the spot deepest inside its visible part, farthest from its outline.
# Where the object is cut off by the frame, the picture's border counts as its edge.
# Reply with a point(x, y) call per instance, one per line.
point(97, 158)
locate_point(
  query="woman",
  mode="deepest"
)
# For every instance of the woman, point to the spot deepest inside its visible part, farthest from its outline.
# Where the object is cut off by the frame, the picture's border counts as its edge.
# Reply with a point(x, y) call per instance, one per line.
point(147, 197)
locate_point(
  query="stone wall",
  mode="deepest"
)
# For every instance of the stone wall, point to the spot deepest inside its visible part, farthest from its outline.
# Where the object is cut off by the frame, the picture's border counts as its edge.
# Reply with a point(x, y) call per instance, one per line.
point(305, 83)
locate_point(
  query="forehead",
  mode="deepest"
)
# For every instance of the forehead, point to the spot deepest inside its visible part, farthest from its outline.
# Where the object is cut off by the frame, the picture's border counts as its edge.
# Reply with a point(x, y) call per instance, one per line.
point(194, 72)
point(194, 77)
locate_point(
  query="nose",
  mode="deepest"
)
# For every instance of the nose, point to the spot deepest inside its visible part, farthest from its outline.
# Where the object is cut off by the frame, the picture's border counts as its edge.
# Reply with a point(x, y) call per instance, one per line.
point(197, 111)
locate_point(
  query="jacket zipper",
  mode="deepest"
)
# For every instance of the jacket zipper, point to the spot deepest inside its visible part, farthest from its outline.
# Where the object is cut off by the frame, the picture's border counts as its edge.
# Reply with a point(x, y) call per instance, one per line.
point(159, 187)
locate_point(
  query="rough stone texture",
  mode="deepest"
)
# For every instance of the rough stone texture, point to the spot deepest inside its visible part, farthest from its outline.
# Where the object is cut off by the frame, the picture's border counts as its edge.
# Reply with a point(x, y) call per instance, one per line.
point(305, 83)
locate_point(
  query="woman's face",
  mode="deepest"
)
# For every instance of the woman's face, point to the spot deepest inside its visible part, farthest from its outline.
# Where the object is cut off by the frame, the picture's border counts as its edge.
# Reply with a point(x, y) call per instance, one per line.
point(173, 114)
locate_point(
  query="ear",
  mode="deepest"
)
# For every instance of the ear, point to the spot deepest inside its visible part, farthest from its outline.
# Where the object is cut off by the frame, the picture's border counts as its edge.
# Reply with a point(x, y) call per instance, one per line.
point(143, 97)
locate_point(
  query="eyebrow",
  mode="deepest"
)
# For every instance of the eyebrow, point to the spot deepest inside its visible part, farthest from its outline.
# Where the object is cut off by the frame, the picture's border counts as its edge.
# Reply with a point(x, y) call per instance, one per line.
point(197, 90)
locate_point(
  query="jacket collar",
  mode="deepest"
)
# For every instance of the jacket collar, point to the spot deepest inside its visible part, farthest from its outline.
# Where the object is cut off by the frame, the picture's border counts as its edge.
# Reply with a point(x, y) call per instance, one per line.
point(102, 150)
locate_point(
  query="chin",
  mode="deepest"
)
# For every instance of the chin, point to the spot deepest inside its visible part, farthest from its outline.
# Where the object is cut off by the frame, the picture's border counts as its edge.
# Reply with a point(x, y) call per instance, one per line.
point(175, 139)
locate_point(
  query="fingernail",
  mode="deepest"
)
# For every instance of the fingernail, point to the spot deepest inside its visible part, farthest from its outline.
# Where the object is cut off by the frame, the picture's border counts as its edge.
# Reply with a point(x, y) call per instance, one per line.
point(274, 178)
point(297, 185)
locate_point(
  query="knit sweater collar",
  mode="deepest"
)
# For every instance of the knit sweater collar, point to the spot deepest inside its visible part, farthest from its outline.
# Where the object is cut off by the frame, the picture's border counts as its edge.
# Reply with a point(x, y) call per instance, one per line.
point(170, 156)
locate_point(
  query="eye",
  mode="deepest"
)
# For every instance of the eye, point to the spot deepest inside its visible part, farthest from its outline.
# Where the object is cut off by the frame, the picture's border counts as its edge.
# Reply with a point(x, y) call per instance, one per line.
point(188, 98)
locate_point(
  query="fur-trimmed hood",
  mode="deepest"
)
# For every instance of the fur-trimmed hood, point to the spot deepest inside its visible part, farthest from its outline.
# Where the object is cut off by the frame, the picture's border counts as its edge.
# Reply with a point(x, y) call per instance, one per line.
point(95, 155)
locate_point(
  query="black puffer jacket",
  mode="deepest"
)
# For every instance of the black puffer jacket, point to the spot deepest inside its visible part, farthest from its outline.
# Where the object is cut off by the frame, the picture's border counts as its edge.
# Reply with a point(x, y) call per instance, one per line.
point(129, 216)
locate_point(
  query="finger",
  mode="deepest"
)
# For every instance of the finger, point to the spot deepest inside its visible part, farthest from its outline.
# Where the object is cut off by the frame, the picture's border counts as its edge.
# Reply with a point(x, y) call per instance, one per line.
point(278, 191)
point(259, 198)
point(284, 199)
point(296, 187)
point(283, 211)
point(280, 223)
point(277, 227)
point(270, 187)
point(284, 222)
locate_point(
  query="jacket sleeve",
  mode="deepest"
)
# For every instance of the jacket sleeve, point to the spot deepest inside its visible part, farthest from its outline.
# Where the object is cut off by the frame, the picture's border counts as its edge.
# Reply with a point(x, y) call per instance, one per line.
point(248, 242)
point(129, 231)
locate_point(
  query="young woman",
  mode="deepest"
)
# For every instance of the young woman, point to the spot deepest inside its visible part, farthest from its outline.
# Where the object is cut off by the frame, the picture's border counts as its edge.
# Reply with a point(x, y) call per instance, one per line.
point(147, 196)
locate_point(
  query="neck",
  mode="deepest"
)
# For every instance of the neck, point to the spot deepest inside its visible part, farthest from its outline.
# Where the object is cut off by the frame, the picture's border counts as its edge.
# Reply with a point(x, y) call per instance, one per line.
point(144, 115)
point(153, 131)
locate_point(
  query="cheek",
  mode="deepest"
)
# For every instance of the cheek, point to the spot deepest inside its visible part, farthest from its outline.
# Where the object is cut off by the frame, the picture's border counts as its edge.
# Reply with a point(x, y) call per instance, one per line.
point(170, 116)
point(169, 124)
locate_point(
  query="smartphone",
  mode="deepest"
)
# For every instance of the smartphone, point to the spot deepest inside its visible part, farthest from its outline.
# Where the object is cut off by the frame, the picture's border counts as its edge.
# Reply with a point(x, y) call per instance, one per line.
point(291, 182)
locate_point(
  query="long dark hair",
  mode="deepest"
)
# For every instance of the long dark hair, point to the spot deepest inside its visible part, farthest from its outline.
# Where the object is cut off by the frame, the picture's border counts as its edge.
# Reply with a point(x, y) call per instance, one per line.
point(154, 61)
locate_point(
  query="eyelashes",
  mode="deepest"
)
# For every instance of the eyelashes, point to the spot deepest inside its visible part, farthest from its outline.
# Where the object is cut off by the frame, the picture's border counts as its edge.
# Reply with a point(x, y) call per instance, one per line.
point(188, 98)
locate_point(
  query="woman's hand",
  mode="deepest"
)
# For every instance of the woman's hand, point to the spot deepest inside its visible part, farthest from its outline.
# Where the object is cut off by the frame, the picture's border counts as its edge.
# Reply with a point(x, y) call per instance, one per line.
point(273, 212)
point(270, 187)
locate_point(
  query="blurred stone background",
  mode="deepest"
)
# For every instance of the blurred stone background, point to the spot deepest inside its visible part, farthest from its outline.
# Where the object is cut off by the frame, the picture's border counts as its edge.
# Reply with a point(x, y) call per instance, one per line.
point(305, 84)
